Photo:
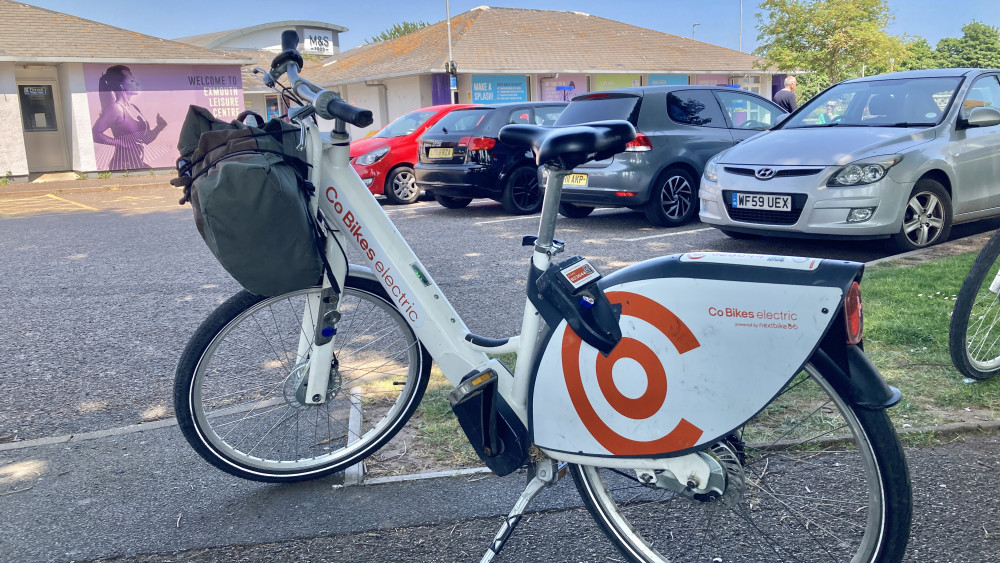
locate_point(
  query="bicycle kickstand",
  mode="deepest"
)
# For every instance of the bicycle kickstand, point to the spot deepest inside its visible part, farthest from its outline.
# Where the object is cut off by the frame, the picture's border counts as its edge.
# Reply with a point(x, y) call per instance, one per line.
point(546, 472)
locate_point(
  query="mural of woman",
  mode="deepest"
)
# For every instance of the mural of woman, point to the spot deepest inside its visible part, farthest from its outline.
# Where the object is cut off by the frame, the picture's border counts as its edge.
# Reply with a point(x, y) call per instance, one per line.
point(130, 132)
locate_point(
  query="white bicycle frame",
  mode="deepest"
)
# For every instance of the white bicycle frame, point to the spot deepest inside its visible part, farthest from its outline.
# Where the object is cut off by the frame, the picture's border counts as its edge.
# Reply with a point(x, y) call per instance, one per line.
point(354, 215)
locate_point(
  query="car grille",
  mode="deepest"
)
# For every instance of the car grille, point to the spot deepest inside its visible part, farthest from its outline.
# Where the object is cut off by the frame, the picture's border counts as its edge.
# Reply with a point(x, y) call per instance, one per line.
point(785, 173)
point(764, 216)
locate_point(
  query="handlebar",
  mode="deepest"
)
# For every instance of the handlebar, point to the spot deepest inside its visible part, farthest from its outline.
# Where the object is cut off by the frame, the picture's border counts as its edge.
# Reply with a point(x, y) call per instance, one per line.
point(328, 105)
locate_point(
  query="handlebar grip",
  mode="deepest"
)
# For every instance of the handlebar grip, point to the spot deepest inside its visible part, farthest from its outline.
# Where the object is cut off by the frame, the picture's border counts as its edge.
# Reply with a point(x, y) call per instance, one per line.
point(289, 40)
point(329, 106)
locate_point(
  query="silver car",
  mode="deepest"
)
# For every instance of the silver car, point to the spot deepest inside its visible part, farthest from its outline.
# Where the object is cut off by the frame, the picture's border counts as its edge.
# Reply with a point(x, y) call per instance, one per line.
point(902, 155)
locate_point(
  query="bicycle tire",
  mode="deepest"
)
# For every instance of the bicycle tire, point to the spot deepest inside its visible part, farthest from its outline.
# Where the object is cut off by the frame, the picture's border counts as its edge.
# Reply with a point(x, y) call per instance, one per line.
point(974, 330)
point(861, 494)
point(239, 391)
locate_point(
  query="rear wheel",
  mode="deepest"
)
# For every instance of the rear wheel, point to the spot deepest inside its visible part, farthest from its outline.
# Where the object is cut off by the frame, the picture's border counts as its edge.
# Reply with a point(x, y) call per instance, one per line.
point(523, 194)
point(810, 478)
point(927, 219)
point(453, 202)
point(401, 186)
point(974, 331)
point(239, 391)
point(673, 200)
point(574, 211)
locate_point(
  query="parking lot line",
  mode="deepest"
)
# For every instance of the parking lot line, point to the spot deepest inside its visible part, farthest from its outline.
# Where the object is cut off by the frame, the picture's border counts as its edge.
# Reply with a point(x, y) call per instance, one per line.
point(674, 234)
point(40, 204)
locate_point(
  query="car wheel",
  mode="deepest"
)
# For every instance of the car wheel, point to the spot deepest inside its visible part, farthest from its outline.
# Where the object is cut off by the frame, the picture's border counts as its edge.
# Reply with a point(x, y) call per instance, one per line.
point(927, 219)
point(453, 202)
point(673, 199)
point(738, 235)
point(574, 211)
point(523, 194)
point(401, 186)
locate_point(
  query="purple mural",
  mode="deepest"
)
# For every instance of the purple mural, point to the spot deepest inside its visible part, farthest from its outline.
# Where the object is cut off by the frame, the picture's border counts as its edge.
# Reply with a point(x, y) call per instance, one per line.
point(137, 110)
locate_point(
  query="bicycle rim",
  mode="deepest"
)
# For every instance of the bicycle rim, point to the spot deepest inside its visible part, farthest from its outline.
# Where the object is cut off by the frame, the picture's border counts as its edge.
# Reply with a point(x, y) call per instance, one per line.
point(246, 396)
point(804, 482)
point(974, 338)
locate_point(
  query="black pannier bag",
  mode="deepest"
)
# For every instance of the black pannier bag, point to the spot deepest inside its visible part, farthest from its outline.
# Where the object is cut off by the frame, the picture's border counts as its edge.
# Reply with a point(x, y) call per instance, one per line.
point(247, 186)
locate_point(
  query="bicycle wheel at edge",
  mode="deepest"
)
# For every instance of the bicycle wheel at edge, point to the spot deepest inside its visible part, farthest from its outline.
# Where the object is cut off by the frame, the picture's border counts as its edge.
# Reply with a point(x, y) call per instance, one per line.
point(237, 389)
point(830, 485)
point(974, 331)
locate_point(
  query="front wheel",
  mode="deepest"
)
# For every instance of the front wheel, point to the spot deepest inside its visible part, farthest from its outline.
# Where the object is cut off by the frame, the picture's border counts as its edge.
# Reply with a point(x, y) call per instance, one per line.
point(401, 186)
point(974, 331)
point(809, 478)
point(927, 218)
point(239, 391)
point(453, 202)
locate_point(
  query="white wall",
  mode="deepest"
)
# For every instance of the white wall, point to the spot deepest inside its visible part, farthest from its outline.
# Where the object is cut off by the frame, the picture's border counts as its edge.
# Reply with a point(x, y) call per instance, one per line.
point(77, 116)
point(12, 156)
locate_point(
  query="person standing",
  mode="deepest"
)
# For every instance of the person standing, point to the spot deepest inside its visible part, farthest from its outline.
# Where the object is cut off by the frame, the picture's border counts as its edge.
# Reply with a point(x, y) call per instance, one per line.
point(785, 98)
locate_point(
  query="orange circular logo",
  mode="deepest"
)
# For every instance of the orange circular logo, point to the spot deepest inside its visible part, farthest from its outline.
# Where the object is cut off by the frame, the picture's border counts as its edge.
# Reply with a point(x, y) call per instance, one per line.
point(685, 434)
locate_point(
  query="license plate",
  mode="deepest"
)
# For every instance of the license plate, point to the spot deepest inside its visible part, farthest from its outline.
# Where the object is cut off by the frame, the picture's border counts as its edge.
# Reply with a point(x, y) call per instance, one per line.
point(439, 153)
point(575, 180)
point(762, 201)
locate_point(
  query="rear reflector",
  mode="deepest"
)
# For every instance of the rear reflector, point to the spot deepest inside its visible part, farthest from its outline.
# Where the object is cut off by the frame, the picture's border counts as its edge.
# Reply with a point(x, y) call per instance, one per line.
point(478, 143)
point(852, 314)
point(639, 144)
point(625, 194)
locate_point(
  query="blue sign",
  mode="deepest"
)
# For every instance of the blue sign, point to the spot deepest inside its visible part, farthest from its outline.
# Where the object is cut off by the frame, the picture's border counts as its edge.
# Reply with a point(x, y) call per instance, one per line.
point(499, 88)
point(454, 82)
point(664, 79)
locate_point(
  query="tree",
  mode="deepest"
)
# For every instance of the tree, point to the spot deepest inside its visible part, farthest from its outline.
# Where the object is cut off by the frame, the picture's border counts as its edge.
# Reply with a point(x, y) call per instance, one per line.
point(920, 54)
point(832, 39)
point(397, 30)
point(979, 47)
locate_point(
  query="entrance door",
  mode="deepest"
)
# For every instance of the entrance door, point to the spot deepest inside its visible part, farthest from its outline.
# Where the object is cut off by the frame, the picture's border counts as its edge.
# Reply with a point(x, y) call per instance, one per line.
point(45, 137)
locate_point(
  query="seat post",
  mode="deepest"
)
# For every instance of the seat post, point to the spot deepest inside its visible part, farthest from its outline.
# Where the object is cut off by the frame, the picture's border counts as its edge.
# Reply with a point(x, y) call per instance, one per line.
point(550, 207)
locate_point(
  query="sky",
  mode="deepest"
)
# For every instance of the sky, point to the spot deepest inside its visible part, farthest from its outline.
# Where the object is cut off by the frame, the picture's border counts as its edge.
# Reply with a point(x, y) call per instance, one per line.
point(713, 21)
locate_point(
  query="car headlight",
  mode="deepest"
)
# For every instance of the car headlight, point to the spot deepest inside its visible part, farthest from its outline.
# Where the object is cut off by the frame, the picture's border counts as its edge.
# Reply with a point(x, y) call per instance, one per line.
point(712, 168)
point(372, 157)
point(867, 171)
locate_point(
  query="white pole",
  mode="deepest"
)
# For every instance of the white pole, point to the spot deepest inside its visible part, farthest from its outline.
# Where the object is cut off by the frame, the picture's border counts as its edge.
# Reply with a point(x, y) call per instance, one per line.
point(447, 11)
point(741, 26)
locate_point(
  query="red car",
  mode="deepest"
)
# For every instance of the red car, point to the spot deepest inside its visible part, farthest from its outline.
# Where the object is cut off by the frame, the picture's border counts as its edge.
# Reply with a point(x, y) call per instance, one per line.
point(385, 160)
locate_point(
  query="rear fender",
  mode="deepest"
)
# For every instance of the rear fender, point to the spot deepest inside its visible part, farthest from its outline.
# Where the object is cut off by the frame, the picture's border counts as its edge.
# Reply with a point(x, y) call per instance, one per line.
point(708, 341)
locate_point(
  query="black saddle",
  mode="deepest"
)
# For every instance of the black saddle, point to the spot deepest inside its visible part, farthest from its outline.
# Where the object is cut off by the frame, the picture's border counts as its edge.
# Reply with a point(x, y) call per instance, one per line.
point(568, 147)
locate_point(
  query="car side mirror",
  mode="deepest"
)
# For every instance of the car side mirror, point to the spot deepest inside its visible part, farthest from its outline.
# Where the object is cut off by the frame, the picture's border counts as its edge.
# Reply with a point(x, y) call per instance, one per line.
point(780, 118)
point(983, 117)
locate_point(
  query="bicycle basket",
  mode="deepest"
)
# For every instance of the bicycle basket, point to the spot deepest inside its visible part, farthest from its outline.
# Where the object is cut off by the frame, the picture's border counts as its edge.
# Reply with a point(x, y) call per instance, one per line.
point(246, 187)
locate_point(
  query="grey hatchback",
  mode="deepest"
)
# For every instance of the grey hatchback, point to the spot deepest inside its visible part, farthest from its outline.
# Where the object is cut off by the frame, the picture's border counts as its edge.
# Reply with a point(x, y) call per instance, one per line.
point(680, 128)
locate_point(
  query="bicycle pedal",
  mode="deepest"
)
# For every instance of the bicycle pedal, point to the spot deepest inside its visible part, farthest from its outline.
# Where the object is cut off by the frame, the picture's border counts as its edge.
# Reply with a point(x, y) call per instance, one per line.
point(472, 385)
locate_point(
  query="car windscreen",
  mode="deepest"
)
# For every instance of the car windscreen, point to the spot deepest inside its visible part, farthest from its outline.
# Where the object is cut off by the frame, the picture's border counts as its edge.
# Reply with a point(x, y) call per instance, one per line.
point(458, 121)
point(897, 102)
point(598, 107)
point(404, 125)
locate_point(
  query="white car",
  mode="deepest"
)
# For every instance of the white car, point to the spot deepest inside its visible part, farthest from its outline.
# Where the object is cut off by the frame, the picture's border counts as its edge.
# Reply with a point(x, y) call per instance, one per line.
point(902, 155)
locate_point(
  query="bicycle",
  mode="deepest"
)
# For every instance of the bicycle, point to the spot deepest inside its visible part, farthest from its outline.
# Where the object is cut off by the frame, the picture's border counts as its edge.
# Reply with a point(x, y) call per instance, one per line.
point(973, 338)
point(772, 444)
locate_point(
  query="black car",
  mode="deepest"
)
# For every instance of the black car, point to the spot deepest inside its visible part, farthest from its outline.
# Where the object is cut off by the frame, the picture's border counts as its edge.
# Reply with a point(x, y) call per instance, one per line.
point(460, 157)
point(679, 129)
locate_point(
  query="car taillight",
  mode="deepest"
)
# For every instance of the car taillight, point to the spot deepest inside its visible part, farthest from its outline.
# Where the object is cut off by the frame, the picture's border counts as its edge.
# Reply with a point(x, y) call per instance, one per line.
point(639, 144)
point(853, 316)
point(478, 143)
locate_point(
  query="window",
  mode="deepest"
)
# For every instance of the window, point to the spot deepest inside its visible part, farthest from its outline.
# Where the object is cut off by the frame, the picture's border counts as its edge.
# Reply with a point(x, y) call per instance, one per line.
point(406, 124)
point(547, 115)
point(519, 115)
point(38, 109)
point(747, 112)
point(985, 92)
point(695, 107)
point(598, 106)
point(462, 120)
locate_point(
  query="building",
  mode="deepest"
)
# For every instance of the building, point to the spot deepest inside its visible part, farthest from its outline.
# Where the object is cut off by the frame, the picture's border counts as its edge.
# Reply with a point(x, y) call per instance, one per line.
point(61, 86)
point(510, 54)
point(317, 41)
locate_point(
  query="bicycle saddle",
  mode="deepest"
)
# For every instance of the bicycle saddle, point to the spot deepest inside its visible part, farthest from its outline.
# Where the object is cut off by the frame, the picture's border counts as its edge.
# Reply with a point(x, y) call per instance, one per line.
point(569, 147)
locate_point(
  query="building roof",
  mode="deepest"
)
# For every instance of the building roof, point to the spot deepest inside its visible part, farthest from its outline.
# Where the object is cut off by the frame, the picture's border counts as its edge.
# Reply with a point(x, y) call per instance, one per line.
point(31, 34)
point(511, 40)
point(220, 38)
